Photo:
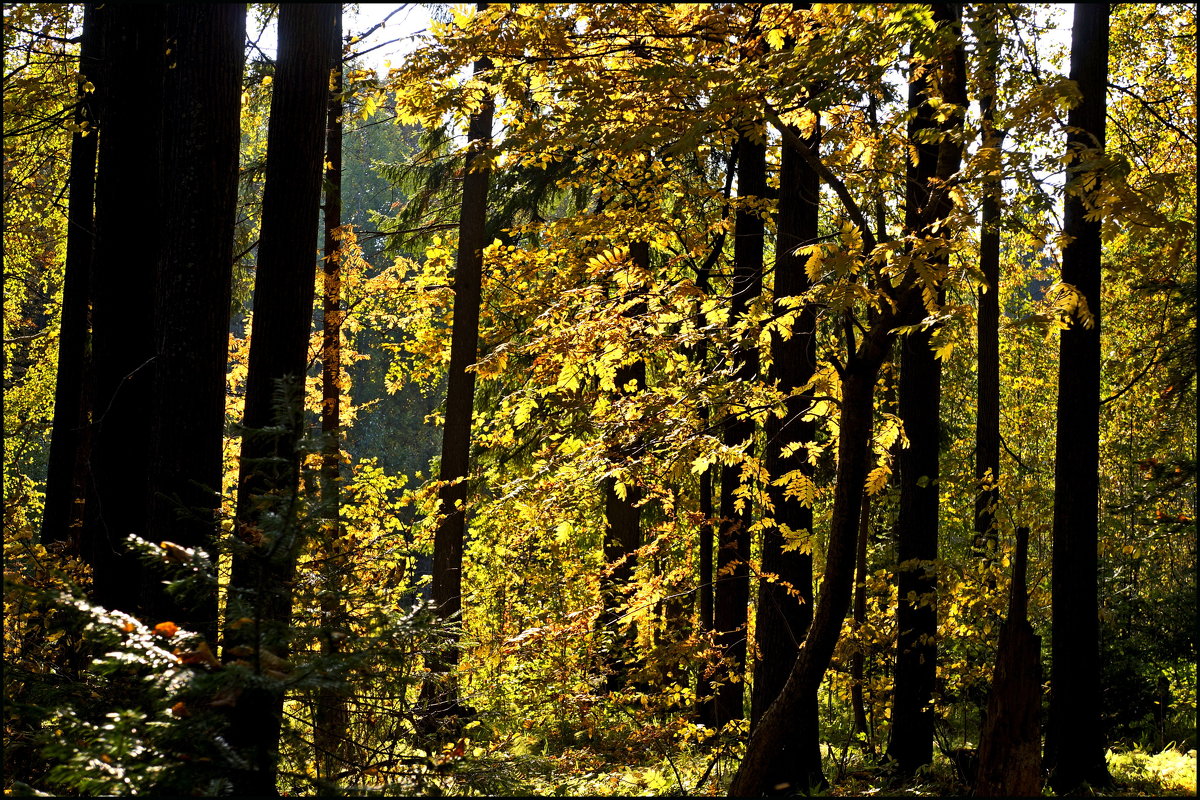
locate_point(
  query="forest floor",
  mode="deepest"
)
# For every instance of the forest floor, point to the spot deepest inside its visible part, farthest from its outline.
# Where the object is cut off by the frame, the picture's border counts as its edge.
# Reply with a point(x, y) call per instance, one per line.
point(1170, 773)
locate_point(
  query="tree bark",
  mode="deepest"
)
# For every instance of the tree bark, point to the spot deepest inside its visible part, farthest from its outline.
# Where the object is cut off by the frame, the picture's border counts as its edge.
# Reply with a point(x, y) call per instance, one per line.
point(128, 204)
point(460, 397)
point(862, 363)
point(987, 426)
point(263, 569)
point(769, 741)
point(732, 587)
point(858, 659)
point(330, 717)
point(622, 515)
point(1010, 747)
point(707, 708)
point(785, 605)
point(911, 741)
point(201, 137)
point(1075, 738)
point(63, 510)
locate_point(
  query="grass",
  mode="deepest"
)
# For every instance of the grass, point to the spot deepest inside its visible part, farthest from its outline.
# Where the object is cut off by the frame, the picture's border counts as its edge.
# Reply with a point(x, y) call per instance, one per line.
point(1170, 773)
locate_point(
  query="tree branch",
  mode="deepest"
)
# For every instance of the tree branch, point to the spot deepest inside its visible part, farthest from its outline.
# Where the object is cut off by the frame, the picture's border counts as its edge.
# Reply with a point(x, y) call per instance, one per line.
point(839, 188)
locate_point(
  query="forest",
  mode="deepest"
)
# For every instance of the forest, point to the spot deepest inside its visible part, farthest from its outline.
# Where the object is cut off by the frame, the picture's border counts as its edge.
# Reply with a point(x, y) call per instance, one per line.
point(595, 399)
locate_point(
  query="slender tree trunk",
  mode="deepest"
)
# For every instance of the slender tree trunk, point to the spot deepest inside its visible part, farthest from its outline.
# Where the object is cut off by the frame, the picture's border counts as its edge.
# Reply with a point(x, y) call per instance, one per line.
point(769, 740)
point(785, 603)
point(128, 206)
point(732, 595)
point(460, 397)
point(330, 715)
point(911, 742)
point(263, 570)
point(862, 363)
point(858, 660)
point(622, 515)
point(201, 136)
point(987, 428)
point(707, 709)
point(63, 512)
point(1075, 738)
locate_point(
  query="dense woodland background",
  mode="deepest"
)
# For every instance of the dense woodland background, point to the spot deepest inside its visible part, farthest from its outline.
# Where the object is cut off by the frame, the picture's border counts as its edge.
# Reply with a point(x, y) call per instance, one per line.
point(608, 399)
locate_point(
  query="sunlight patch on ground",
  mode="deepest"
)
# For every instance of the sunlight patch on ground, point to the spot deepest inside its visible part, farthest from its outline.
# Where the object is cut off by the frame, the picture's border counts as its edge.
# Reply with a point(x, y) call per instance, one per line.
point(1169, 772)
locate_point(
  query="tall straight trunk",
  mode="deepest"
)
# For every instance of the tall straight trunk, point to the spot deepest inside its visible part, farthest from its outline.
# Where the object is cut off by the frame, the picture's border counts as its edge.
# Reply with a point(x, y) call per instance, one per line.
point(707, 708)
point(987, 427)
point(785, 593)
point(264, 567)
point(330, 717)
point(858, 659)
point(460, 393)
point(63, 512)
point(732, 587)
point(128, 207)
point(201, 136)
point(911, 742)
point(622, 515)
point(1075, 739)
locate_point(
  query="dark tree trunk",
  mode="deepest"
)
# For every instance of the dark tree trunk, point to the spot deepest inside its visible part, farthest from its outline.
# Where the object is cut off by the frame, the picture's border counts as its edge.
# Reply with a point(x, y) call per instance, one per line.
point(785, 604)
point(330, 715)
point(911, 742)
point(263, 569)
point(732, 587)
point(460, 396)
point(863, 360)
point(331, 311)
point(63, 511)
point(707, 708)
point(201, 136)
point(128, 205)
point(622, 515)
point(758, 773)
point(1075, 738)
point(987, 428)
point(858, 659)
point(1010, 763)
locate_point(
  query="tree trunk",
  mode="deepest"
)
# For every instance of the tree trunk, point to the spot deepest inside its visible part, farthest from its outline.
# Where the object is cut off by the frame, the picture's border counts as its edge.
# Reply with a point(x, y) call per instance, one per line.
point(911, 741)
point(330, 715)
point(785, 604)
point(63, 511)
point(201, 136)
point(707, 708)
point(263, 569)
point(858, 660)
point(707, 711)
point(1075, 739)
point(732, 588)
point(460, 398)
point(987, 427)
point(622, 515)
point(128, 206)
point(769, 742)
point(1010, 748)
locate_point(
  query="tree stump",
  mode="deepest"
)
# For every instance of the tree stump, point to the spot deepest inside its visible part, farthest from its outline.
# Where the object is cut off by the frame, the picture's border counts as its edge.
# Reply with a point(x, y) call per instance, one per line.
point(1010, 759)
